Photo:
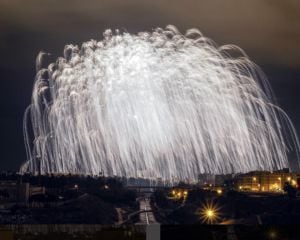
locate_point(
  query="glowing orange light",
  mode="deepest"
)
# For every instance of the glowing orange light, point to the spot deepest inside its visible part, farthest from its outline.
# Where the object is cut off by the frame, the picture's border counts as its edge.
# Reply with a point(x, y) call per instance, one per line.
point(209, 213)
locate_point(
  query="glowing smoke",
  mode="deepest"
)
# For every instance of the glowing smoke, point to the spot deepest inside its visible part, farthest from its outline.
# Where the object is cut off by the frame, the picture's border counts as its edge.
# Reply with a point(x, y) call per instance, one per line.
point(154, 105)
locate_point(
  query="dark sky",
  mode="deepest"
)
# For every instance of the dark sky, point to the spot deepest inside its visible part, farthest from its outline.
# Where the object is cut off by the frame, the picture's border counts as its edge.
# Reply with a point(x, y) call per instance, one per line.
point(268, 30)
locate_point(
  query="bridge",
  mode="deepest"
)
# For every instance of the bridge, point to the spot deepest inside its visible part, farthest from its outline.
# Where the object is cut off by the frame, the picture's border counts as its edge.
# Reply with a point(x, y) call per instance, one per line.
point(151, 189)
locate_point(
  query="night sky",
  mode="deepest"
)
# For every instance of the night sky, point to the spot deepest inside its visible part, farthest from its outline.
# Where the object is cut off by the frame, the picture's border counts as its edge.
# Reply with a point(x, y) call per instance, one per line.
point(268, 30)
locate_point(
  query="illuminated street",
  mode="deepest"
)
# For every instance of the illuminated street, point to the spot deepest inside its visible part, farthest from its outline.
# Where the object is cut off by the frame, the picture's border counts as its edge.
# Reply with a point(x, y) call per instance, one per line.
point(146, 217)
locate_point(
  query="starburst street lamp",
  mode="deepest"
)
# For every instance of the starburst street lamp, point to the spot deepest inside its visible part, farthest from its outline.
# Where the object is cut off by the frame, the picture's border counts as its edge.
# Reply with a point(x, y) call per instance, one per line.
point(209, 212)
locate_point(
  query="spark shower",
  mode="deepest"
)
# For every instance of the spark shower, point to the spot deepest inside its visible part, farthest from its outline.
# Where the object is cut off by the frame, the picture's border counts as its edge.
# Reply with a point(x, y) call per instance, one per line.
point(154, 105)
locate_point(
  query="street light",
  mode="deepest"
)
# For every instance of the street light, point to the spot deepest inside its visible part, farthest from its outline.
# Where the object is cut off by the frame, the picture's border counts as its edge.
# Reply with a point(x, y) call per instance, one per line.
point(279, 179)
point(209, 213)
point(273, 235)
point(253, 180)
point(185, 194)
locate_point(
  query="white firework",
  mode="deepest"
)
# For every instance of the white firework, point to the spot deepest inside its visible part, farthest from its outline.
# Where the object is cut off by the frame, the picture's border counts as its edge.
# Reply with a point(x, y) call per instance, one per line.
point(154, 105)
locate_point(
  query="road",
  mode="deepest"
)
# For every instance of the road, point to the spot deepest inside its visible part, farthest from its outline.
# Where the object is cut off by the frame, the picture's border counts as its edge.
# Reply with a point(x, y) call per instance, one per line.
point(120, 217)
point(146, 217)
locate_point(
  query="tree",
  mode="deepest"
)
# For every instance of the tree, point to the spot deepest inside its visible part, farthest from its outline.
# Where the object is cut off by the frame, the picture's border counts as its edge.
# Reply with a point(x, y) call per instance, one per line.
point(290, 190)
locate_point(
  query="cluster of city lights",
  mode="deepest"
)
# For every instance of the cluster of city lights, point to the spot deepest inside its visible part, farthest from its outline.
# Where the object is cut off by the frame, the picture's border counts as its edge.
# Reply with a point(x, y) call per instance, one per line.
point(178, 194)
point(274, 185)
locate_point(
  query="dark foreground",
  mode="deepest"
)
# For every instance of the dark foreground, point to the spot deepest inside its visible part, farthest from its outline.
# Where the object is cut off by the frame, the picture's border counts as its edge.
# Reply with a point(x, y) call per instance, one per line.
point(142, 232)
point(109, 201)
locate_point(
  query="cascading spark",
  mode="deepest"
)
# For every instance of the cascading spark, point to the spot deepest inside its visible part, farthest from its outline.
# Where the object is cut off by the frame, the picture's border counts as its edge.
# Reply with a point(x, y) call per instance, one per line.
point(154, 105)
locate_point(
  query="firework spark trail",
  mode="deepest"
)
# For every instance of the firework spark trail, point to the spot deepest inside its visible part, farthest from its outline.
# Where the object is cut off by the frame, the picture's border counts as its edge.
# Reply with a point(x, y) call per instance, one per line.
point(154, 105)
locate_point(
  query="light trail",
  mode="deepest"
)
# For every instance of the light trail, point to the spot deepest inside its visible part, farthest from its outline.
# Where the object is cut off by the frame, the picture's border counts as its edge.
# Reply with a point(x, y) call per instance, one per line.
point(154, 105)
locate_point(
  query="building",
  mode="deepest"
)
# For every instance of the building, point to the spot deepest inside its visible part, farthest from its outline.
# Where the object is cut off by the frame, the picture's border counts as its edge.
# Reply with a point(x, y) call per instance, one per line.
point(17, 192)
point(36, 190)
point(264, 181)
point(206, 179)
point(13, 191)
point(223, 179)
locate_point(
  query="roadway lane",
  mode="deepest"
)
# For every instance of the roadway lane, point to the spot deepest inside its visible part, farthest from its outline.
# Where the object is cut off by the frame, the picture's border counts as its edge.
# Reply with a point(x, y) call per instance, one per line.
point(146, 217)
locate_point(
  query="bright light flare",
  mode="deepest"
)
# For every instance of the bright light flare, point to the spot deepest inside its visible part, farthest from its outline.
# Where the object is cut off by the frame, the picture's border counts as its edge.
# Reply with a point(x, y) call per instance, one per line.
point(209, 212)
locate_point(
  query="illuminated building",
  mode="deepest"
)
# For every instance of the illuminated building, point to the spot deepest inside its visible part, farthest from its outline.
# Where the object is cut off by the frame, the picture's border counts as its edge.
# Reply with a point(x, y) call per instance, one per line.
point(15, 191)
point(221, 179)
point(264, 181)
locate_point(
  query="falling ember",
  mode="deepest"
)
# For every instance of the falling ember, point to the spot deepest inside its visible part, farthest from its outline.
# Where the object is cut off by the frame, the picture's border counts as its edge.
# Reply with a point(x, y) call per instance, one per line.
point(154, 105)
